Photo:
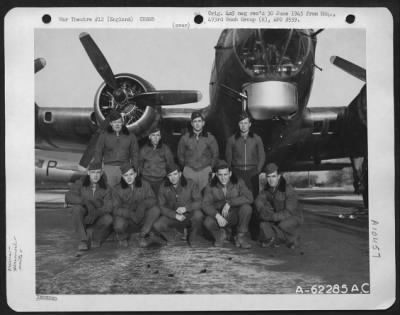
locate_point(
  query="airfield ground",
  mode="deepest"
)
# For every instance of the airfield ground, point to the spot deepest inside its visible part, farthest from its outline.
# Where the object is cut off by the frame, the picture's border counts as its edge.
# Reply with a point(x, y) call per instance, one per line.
point(332, 251)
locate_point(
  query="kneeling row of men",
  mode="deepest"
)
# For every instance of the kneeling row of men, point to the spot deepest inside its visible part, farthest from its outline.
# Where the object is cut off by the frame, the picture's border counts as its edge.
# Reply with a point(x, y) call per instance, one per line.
point(223, 208)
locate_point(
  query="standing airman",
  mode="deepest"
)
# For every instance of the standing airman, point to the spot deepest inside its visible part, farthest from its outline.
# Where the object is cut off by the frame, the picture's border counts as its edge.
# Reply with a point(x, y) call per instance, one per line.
point(197, 152)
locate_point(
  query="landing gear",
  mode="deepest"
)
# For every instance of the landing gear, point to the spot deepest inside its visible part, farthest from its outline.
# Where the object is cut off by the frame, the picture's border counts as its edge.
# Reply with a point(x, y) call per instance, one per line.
point(363, 187)
point(360, 176)
point(360, 183)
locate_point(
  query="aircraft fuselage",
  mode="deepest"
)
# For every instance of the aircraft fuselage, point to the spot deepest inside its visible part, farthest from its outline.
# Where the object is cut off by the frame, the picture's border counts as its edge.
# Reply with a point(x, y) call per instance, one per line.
point(273, 69)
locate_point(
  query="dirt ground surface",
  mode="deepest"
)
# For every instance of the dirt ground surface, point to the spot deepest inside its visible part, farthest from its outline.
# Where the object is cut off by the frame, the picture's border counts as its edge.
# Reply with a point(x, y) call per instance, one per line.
point(332, 251)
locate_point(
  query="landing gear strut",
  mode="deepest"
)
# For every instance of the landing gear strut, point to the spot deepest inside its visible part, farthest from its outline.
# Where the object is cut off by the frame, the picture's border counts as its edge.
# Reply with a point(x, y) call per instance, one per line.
point(360, 176)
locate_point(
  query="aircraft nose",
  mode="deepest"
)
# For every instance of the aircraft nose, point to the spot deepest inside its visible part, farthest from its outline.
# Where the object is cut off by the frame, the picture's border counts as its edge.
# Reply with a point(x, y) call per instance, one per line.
point(270, 99)
point(272, 53)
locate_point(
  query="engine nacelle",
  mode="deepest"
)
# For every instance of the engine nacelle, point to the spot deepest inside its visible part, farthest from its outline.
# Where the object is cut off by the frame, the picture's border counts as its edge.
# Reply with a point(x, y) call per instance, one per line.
point(138, 119)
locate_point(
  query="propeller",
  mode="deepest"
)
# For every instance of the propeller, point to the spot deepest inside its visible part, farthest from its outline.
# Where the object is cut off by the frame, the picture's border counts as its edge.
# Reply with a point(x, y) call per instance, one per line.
point(154, 98)
point(129, 101)
point(349, 67)
point(40, 63)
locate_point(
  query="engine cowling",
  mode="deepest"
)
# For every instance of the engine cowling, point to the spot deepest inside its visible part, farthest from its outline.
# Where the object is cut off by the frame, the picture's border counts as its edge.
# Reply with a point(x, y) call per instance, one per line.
point(138, 119)
point(358, 106)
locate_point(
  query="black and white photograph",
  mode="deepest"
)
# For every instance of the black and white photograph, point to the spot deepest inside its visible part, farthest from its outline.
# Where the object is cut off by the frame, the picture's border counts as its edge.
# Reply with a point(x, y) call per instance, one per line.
point(225, 162)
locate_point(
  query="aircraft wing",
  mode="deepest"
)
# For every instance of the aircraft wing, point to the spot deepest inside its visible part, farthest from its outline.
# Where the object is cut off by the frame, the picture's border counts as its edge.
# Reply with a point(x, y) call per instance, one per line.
point(63, 128)
point(326, 133)
point(56, 167)
point(323, 133)
point(170, 113)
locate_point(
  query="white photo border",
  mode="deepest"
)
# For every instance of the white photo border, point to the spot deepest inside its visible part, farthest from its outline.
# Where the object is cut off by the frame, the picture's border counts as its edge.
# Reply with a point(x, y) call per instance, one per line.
point(20, 24)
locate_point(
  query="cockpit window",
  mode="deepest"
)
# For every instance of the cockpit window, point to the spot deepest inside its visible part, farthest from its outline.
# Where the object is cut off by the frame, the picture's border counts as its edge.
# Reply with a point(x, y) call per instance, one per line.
point(272, 52)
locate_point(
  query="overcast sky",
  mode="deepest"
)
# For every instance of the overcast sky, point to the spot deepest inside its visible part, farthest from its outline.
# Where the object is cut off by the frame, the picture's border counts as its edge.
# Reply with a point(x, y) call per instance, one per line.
point(172, 59)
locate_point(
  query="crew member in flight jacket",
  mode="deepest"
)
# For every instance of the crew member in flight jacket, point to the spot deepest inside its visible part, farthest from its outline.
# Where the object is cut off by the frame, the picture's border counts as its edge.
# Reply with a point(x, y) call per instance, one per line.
point(278, 211)
point(115, 147)
point(91, 202)
point(197, 151)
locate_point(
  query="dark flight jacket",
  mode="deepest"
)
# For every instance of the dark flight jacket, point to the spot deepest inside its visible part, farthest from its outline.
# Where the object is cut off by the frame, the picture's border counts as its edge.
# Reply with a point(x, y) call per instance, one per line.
point(79, 193)
point(214, 199)
point(171, 198)
point(245, 154)
point(132, 202)
point(197, 153)
point(113, 150)
point(279, 204)
point(153, 161)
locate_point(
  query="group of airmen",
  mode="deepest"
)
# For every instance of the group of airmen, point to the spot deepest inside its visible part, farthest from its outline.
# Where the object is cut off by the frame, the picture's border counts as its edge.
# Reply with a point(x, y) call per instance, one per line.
point(145, 197)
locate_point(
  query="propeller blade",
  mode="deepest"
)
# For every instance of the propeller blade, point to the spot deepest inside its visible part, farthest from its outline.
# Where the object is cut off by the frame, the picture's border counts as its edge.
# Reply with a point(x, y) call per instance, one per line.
point(157, 98)
point(349, 67)
point(40, 63)
point(88, 155)
point(317, 32)
point(98, 60)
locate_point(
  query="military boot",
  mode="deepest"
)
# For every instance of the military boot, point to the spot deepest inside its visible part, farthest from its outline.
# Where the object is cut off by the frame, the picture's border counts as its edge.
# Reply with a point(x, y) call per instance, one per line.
point(151, 239)
point(268, 243)
point(83, 246)
point(240, 241)
point(94, 244)
point(220, 238)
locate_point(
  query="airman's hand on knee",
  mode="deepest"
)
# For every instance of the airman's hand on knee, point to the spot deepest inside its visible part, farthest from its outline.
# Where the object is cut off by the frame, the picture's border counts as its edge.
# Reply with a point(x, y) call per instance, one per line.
point(181, 210)
point(180, 217)
point(225, 210)
point(90, 218)
point(221, 220)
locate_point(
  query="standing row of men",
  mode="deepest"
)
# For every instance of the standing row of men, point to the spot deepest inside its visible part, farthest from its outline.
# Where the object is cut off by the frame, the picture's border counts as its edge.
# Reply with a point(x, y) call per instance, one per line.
point(163, 198)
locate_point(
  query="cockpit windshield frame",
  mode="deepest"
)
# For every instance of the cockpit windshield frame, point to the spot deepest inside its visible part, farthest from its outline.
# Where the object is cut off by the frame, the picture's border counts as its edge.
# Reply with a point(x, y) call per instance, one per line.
point(272, 53)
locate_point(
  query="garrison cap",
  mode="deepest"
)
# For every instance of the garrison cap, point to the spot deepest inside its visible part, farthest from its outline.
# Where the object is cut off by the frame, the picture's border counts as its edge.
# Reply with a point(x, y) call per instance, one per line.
point(114, 115)
point(221, 164)
point(244, 115)
point(126, 167)
point(172, 167)
point(196, 114)
point(270, 168)
point(94, 166)
point(154, 129)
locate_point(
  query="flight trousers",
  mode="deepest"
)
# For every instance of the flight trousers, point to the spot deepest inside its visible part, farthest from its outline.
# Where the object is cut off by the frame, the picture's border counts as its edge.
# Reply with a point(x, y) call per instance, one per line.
point(287, 230)
point(154, 183)
point(123, 227)
point(200, 177)
point(250, 178)
point(238, 217)
point(113, 174)
point(194, 221)
point(98, 231)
